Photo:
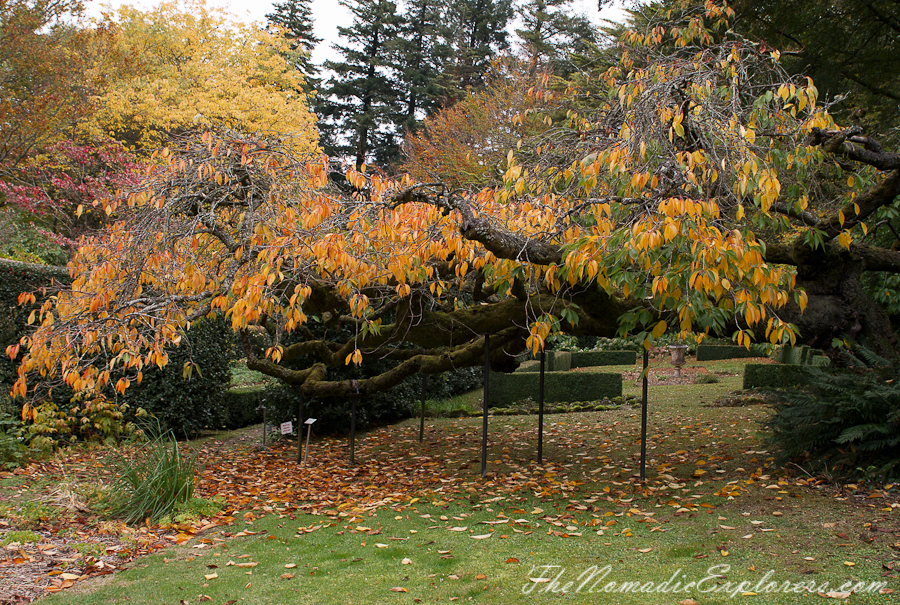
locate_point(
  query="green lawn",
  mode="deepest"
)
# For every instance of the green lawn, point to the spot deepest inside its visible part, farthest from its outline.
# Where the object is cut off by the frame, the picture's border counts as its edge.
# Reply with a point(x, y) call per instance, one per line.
point(415, 522)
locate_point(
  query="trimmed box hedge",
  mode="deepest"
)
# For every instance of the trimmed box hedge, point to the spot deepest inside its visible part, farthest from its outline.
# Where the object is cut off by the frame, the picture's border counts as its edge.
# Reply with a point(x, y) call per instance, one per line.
point(717, 352)
point(802, 355)
point(587, 359)
point(556, 361)
point(505, 389)
point(240, 406)
point(774, 376)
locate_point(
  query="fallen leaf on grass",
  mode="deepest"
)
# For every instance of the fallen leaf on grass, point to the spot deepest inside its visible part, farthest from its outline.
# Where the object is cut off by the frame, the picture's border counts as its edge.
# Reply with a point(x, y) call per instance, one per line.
point(481, 537)
point(512, 560)
point(290, 566)
point(406, 561)
point(644, 549)
point(481, 576)
point(398, 589)
point(252, 564)
point(835, 595)
point(287, 576)
point(211, 576)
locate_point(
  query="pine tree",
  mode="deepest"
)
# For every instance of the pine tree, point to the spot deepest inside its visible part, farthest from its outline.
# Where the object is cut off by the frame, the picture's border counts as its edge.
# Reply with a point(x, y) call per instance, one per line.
point(479, 28)
point(551, 33)
point(295, 16)
point(360, 103)
point(422, 50)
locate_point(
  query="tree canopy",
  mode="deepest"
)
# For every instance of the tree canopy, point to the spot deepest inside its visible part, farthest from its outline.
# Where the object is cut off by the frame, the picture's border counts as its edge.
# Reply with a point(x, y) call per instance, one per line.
point(190, 66)
point(695, 186)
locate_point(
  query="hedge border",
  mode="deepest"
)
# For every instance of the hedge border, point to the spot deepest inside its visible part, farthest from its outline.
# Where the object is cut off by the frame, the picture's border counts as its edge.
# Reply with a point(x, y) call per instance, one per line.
point(774, 376)
point(719, 352)
point(505, 389)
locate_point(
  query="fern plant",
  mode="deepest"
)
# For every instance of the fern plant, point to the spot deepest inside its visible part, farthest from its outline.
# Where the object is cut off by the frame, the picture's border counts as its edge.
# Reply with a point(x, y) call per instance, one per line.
point(847, 419)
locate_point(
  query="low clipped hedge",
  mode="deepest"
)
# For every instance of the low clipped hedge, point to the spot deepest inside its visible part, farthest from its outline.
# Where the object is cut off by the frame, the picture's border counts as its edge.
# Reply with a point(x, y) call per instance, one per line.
point(505, 389)
point(775, 376)
point(802, 355)
point(240, 407)
point(718, 352)
point(587, 359)
point(555, 361)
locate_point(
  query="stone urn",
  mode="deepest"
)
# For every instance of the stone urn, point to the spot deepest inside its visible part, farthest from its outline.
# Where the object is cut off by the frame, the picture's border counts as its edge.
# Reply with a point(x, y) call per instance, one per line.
point(677, 352)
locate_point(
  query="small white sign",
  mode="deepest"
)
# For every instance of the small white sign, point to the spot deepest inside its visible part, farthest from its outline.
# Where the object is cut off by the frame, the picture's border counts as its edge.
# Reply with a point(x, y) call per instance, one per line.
point(309, 421)
point(287, 428)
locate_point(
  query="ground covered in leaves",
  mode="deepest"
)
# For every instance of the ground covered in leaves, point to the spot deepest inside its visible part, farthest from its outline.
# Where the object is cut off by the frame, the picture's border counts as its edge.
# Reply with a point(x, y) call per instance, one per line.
point(704, 460)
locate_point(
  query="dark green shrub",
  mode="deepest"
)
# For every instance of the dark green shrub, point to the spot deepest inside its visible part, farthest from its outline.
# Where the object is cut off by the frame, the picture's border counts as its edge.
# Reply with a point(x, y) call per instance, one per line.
point(185, 406)
point(13, 452)
point(505, 389)
point(16, 278)
point(848, 420)
point(239, 406)
point(774, 376)
point(617, 344)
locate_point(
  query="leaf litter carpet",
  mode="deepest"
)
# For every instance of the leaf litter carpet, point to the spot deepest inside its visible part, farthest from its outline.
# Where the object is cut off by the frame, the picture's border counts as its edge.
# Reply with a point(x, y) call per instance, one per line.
point(589, 461)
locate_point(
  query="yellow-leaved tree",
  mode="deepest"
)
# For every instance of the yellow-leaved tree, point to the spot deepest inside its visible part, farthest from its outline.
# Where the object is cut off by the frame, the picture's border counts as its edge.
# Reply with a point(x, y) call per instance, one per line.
point(182, 67)
point(682, 189)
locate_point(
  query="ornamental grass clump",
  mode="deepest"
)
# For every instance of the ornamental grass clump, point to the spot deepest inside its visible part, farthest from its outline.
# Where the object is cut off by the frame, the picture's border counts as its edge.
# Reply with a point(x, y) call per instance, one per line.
point(156, 481)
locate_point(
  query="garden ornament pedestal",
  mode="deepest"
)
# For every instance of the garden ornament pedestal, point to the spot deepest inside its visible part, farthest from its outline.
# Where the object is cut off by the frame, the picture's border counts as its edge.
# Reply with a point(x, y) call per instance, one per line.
point(677, 352)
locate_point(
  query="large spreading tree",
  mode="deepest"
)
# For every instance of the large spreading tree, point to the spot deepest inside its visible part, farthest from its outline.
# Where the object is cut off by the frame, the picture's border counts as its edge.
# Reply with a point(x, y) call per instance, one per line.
point(694, 187)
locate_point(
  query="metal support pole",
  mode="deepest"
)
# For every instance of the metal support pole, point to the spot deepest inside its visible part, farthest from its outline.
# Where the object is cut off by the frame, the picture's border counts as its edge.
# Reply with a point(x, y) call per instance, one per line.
point(484, 424)
point(265, 426)
point(422, 420)
point(644, 417)
point(300, 428)
point(540, 455)
point(353, 430)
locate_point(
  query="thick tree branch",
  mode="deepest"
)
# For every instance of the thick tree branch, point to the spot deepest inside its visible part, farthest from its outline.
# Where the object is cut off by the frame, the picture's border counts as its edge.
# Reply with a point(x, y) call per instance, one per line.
point(841, 142)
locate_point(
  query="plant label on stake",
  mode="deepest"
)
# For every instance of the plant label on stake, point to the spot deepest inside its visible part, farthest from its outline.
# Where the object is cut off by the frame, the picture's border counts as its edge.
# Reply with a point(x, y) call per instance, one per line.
point(308, 423)
point(287, 428)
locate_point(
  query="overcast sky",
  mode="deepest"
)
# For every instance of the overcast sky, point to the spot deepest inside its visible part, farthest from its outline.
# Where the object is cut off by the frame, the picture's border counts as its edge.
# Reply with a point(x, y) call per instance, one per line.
point(328, 14)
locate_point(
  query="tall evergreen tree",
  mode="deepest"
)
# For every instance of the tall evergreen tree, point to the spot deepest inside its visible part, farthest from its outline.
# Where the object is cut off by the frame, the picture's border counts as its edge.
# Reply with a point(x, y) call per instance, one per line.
point(479, 32)
point(422, 50)
point(551, 32)
point(295, 16)
point(360, 103)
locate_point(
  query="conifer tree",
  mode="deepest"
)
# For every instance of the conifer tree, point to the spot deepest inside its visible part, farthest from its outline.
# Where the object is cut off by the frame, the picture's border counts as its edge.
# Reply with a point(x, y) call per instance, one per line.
point(551, 32)
point(422, 50)
point(295, 16)
point(359, 104)
point(479, 32)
